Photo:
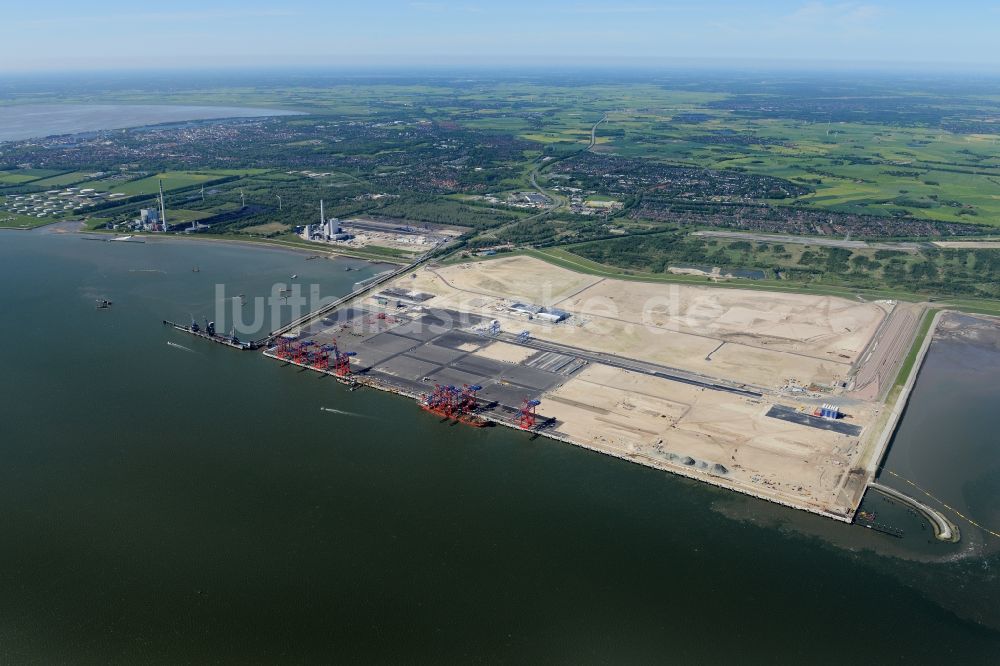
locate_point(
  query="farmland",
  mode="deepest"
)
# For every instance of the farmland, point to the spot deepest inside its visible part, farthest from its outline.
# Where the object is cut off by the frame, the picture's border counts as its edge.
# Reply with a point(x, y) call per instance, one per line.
point(149, 185)
point(625, 169)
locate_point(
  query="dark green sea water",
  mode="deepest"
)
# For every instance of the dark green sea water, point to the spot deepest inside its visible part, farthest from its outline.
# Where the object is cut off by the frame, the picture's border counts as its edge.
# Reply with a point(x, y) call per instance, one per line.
point(161, 505)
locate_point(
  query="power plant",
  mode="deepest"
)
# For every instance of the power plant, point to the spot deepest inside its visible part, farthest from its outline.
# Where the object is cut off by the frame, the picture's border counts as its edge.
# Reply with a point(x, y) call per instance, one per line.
point(326, 230)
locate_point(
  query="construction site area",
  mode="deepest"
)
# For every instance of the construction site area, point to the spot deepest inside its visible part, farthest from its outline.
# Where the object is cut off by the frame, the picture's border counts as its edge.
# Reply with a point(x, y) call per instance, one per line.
point(777, 395)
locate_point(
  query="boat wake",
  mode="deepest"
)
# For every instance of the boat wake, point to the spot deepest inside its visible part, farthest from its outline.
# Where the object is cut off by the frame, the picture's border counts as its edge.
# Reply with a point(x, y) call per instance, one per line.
point(177, 346)
point(343, 413)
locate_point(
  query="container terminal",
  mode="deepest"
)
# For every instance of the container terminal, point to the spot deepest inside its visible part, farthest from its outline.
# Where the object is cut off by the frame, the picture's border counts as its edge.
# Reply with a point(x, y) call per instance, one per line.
point(767, 397)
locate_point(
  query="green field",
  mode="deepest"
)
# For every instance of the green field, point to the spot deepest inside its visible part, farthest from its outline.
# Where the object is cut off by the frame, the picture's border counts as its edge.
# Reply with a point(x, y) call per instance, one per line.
point(881, 163)
point(15, 221)
point(178, 215)
point(568, 260)
point(24, 176)
point(15, 178)
point(172, 180)
point(63, 180)
point(265, 229)
point(827, 156)
point(97, 222)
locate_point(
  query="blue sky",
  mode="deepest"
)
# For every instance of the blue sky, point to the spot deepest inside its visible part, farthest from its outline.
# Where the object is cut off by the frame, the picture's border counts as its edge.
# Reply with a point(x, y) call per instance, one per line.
point(64, 35)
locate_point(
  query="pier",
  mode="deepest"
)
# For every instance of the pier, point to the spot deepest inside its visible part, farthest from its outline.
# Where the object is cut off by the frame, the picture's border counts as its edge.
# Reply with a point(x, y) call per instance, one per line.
point(944, 529)
point(221, 339)
point(365, 287)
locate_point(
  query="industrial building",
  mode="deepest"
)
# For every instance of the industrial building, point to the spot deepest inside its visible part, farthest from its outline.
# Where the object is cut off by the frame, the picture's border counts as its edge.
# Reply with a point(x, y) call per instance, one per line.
point(327, 230)
point(552, 315)
point(148, 216)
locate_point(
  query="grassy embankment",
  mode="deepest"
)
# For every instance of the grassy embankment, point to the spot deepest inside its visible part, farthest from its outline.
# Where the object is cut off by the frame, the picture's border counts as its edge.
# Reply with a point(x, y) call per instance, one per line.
point(567, 260)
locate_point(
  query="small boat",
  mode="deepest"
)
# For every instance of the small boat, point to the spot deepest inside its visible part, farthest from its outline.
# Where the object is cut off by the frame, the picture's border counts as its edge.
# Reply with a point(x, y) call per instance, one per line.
point(103, 304)
point(294, 275)
point(196, 270)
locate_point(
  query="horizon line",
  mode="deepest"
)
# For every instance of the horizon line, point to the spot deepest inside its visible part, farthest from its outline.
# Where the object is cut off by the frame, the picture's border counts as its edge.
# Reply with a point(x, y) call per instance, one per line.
point(637, 65)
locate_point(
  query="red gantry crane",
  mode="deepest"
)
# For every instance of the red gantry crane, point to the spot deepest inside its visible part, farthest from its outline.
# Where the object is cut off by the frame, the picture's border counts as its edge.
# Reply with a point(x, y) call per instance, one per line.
point(528, 414)
point(457, 404)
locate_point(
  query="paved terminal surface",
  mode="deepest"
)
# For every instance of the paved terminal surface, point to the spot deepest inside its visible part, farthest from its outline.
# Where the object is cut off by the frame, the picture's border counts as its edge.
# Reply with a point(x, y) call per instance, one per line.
point(415, 351)
point(795, 416)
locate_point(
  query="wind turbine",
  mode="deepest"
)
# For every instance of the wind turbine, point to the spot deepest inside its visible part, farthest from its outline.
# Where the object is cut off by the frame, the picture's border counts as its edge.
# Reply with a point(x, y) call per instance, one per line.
point(279, 201)
point(243, 200)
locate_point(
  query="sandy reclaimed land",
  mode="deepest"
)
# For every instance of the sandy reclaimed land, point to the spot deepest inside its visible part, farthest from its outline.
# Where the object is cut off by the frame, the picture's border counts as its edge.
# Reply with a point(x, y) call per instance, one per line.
point(684, 428)
point(519, 278)
point(820, 326)
point(759, 338)
point(773, 343)
point(814, 325)
point(504, 352)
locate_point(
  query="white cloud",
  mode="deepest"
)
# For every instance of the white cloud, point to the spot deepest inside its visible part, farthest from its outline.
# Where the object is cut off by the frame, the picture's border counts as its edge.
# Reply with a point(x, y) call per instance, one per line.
point(615, 9)
point(435, 7)
point(844, 17)
point(158, 17)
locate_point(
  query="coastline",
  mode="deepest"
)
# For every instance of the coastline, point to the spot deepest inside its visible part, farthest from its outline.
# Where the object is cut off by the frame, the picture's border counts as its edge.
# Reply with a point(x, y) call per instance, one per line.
point(877, 453)
point(944, 528)
point(705, 477)
point(902, 398)
point(270, 243)
point(52, 115)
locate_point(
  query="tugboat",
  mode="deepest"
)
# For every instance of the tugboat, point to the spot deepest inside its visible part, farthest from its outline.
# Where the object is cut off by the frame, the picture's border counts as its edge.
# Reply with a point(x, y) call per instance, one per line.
point(103, 304)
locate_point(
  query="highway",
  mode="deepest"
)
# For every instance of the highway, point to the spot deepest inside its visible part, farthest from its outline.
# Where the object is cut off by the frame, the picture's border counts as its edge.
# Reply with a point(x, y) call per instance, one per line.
point(810, 240)
point(593, 131)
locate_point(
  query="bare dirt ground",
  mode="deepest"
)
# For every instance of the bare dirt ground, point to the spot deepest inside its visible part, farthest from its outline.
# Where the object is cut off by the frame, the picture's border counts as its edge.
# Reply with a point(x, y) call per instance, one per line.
point(508, 353)
point(766, 339)
point(519, 278)
point(818, 326)
point(719, 436)
point(797, 350)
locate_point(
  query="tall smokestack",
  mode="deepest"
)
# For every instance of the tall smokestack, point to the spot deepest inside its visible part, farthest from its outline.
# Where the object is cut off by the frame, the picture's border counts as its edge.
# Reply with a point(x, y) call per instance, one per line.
point(163, 208)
